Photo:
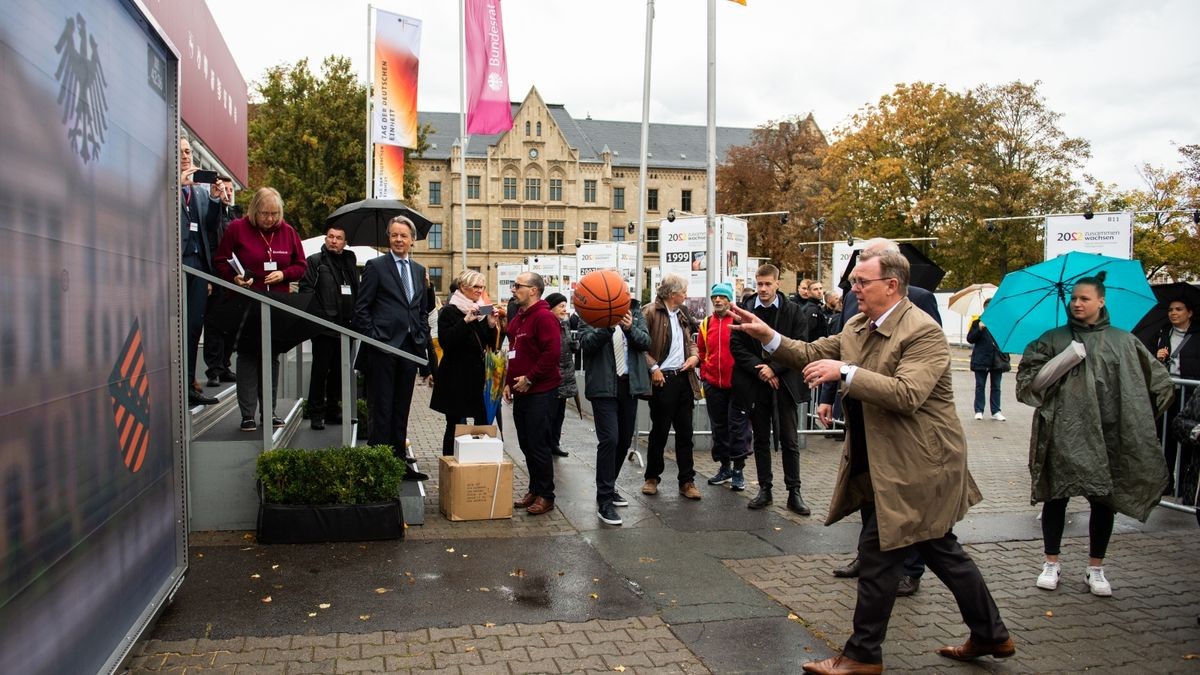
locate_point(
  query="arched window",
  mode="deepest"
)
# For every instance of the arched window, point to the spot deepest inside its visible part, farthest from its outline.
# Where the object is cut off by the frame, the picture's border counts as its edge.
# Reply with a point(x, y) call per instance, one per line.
point(526, 127)
point(539, 128)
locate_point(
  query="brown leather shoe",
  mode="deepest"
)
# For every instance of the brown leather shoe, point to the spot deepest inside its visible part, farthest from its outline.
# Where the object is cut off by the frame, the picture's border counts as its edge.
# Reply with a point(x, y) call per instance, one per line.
point(689, 490)
point(539, 506)
point(971, 650)
point(525, 502)
point(842, 665)
point(650, 488)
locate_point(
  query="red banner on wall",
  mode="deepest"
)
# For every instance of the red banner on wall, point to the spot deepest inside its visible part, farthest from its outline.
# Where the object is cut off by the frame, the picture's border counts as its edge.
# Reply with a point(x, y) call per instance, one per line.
point(212, 91)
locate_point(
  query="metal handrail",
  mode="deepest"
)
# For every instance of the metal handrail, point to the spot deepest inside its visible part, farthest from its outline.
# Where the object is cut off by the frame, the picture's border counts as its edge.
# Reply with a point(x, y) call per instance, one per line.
point(1181, 386)
point(346, 334)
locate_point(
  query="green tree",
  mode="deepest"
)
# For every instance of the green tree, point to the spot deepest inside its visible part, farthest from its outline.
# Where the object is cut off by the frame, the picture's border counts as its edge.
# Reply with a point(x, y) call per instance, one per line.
point(306, 139)
point(1164, 236)
point(778, 171)
point(1019, 163)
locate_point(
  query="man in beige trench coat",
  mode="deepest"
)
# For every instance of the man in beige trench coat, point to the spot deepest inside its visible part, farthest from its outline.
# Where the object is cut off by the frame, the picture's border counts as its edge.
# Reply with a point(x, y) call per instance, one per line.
point(904, 465)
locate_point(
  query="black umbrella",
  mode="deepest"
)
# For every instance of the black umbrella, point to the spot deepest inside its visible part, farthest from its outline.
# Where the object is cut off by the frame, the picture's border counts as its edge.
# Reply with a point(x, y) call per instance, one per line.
point(1155, 321)
point(366, 222)
point(924, 272)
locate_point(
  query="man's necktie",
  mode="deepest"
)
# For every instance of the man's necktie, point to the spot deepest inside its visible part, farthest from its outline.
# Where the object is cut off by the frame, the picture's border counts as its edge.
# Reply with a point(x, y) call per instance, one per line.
point(872, 326)
point(618, 345)
point(404, 279)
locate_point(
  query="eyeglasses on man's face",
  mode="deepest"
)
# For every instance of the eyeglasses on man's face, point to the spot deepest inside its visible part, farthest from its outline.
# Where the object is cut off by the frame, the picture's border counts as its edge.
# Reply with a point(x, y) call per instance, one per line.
point(517, 285)
point(855, 282)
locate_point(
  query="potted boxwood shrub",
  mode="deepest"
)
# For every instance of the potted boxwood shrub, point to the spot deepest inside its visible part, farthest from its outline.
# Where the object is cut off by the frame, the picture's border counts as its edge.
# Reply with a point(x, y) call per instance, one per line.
point(332, 494)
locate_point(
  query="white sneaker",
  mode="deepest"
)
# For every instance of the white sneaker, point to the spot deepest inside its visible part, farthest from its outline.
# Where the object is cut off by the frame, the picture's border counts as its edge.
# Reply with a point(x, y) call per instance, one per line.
point(999, 417)
point(1097, 584)
point(978, 416)
point(1048, 579)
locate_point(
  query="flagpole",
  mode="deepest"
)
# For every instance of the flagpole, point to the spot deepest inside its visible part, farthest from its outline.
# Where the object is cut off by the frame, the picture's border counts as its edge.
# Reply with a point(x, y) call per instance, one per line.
point(710, 214)
point(462, 125)
point(641, 229)
point(370, 173)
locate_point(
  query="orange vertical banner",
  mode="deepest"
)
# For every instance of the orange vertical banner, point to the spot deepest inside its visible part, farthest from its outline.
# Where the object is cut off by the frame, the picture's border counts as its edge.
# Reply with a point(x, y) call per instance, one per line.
point(394, 100)
point(389, 172)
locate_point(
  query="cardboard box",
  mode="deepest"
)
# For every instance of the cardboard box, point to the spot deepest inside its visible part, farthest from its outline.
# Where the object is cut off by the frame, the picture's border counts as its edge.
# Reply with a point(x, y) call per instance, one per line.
point(475, 491)
point(477, 444)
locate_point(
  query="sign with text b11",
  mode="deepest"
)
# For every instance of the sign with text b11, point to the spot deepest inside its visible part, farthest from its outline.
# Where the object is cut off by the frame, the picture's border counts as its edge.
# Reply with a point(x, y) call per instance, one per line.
point(1108, 234)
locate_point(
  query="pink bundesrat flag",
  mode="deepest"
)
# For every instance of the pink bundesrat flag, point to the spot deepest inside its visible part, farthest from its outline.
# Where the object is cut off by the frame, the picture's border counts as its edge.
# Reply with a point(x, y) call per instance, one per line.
point(488, 108)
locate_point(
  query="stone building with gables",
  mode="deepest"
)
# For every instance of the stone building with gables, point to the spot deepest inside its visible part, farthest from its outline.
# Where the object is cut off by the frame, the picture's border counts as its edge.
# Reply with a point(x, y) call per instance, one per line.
point(553, 180)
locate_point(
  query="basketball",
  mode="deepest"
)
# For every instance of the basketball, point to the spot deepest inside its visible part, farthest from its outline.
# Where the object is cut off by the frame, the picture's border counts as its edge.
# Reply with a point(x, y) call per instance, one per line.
point(601, 298)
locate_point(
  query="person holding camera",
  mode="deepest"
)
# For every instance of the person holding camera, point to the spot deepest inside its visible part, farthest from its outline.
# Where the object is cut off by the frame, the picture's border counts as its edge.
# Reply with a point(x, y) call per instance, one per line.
point(987, 361)
point(467, 328)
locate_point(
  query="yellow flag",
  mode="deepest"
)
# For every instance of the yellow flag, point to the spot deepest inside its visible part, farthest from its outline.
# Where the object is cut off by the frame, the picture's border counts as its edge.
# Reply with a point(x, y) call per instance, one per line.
point(740, 2)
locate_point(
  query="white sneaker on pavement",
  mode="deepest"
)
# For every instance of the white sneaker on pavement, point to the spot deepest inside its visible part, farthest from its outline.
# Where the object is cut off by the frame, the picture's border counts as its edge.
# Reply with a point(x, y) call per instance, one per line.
point(1097, 584)
point(999, 417)
point(978, 416)
point(1048, 579)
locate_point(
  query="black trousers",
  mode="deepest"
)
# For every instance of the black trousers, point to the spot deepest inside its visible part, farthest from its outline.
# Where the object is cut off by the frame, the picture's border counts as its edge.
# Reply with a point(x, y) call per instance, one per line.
point(531, 414)
point(389, 384)
point(761, 416)
point(220, 336)
point(558, 414)
point(1054, 520)
point(614, 419)
point(730, 427)
point(195, 292)
point(879, 576)
point(671, 405)
point(325, 378)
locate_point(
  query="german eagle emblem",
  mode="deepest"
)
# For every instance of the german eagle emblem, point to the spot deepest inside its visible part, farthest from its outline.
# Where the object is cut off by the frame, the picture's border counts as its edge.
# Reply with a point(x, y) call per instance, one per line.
point(81, 88)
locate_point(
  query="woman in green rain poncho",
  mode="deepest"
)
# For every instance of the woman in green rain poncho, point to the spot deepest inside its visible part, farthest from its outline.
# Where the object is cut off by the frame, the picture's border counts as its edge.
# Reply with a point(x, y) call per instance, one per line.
point(1096, 390)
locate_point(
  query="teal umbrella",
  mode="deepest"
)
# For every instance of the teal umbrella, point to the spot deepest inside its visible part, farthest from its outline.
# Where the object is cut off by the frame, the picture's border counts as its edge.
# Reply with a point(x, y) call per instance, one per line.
point(1033, 300)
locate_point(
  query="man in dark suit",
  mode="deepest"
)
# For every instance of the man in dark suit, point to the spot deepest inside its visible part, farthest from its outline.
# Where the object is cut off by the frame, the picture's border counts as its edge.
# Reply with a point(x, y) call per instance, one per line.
point(391, 307)
point(199, 218)
point(910, 583)
point(904, 466)
point(771, 390)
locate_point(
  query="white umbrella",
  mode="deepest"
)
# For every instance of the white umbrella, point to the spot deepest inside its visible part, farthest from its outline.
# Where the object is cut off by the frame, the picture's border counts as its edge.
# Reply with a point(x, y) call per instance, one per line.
point(969, 301)
point(362, 253)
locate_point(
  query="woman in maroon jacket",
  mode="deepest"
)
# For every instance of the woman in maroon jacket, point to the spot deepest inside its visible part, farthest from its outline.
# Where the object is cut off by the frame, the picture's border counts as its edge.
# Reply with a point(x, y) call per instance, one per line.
point(271, 257)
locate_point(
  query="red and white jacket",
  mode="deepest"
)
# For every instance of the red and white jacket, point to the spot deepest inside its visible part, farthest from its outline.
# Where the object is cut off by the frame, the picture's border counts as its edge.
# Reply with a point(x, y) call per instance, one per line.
point(716, 359)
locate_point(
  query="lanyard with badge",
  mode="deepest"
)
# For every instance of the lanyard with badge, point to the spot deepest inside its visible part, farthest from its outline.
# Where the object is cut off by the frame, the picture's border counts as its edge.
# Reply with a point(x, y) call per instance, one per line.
point(269, 265)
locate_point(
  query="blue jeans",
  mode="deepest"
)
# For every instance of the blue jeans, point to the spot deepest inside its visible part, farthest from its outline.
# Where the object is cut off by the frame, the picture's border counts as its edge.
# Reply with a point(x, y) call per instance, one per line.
point(981, 377)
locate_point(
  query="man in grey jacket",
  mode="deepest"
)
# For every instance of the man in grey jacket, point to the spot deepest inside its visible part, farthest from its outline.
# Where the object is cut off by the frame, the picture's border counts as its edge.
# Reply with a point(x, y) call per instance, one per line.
point(615, 374)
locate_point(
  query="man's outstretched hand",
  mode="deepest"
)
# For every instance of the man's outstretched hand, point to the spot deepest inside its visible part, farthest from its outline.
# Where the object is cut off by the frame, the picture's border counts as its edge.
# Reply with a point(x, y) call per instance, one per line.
point(751, 325)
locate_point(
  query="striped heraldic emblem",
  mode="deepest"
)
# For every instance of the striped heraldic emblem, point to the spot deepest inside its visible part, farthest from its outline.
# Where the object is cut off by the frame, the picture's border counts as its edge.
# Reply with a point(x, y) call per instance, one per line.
point(129, 387)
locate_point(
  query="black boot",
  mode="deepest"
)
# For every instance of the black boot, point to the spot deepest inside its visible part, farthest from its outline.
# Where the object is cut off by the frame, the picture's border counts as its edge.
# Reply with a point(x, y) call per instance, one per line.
point(849, 570)
point(317, 424)
point(796, 502)
point(761, 500)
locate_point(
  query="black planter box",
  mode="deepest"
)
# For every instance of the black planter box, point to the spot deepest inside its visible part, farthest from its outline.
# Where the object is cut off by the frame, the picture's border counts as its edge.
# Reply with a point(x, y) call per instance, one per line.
point(287, 524)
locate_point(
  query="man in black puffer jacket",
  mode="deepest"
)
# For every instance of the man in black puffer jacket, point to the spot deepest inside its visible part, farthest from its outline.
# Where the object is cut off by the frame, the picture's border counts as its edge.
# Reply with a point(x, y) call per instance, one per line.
point(333, 275)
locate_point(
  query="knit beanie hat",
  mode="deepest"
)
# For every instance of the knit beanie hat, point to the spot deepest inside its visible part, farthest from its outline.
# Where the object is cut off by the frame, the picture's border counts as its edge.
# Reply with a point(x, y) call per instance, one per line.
point(722, 289)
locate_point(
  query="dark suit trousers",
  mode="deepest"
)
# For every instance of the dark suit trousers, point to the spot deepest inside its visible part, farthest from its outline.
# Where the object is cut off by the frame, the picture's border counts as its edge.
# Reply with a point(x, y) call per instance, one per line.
point(671, 405)
point(531, 415)
point(789, 442)
point(219, 337)
point(614, 419)
point(196, 297)
point(325, 378)
point(879, 576)
point(389, 385)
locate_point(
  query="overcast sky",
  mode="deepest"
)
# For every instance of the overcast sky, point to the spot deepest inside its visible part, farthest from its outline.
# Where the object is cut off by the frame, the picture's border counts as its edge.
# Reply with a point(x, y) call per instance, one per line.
point(1124, 74)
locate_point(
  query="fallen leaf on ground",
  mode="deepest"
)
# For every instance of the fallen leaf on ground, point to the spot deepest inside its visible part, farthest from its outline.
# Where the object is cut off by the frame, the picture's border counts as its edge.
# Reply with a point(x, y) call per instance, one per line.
point(363, 617)
point(644, 559)
point(793, 617)
point(248, 536)
point(1191, 657)
point(466, 556)
point(267, 599)
point(274, 567)
point(519, 573)
point(255, 576)
point(381, 590)
point(595, 580)
point(778, 529)
point(489, 625)
point(808, 649)
point(324, 605)
point(485, 589)
point(619, 669)
point(312, 614)
point(450, 550)
point(1049, 613)
point(469, 648)
point(594, 596)
point(199, 555)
